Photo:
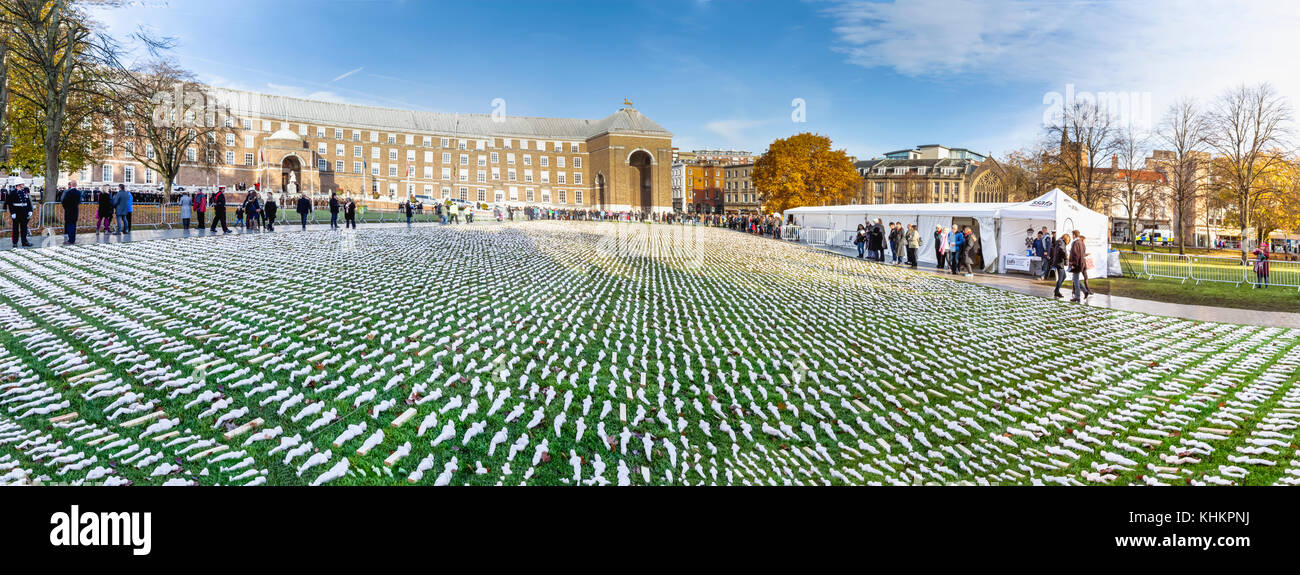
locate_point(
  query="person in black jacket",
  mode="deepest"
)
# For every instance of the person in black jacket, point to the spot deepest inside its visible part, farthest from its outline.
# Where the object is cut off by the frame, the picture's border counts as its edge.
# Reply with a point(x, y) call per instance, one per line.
point(334, 211)
point(877, 240)
point(71, 201)
point(219, 211)
point(304, 208)
point(19, 205)
point(104, 213)
point(350, 214)
point(270, 212)
point(409, 212)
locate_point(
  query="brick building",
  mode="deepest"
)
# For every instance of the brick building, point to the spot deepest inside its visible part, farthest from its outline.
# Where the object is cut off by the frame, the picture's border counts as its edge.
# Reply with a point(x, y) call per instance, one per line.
point(620, 162)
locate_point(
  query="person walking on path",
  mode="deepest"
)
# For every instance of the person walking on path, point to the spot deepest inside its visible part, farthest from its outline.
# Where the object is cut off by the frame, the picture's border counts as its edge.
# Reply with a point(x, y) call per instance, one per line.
point(350, 214)
point(219, 211)
point(271, 208)
point(913, 241)
point(334, 211)
point(71, 201)
point(955, 240)
point(1042, 243)
point(123, 204)
point(969, 247)
point(19, 205)
point(1077, 255)
point(187, 210)
point(860, 239)
point(104, 213)
point(304, 208)
point(1060, 257)
point(1261, 266)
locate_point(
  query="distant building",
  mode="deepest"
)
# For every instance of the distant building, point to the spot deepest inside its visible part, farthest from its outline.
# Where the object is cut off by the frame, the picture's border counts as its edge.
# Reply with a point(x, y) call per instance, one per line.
point(740, 197)
point(703, 191)
point(724, 157)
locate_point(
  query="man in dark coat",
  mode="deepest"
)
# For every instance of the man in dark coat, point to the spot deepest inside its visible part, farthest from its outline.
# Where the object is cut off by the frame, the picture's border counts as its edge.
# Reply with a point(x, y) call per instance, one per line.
point(304, 208)
point(19, 205)
point(1078, 267)
point(877, 245)
point(334, 211)
point(350, 214)
point(219, 211)
point(271, 208)
point(71, 201)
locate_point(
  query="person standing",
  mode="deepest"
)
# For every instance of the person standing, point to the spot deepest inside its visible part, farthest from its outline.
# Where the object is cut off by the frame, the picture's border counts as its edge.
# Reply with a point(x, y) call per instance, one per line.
point(860, 239)
point(219, 211)
point(1042, 244)
point(104, 213)
point(940, 247)
point(201, 206)
point(969, 247)
point(877, 241)
point(913, 241)
point(270, 212)
point(410, 211)
point(304, 208)
point(350, 214)
point(19, 205)
point(893, 237)
point(1076, 262)
point(71, 201)
point(1087, 262)
point(1261, 266)
point(334, 211)
point(187, 210)
point(955, 241)
point(124, 203)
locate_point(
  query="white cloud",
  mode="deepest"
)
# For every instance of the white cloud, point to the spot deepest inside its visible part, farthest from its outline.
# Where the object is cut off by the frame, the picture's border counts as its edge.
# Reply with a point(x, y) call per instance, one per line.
point(732, 131)
point(1166, 47)
point(346, 74)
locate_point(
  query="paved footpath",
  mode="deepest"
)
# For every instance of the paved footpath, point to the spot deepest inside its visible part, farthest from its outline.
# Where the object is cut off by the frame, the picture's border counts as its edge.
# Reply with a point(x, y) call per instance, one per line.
point(1026, 285)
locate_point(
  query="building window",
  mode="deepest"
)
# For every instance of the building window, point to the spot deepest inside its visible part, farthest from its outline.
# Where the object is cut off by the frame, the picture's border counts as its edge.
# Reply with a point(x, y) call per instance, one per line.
point(190, 154)
point(577, 195)
point(577, 162)
point(148, 176)
point(108, 147)
point(392, 171)
point(321, 148)
point(230, 158)
point(320, 133)
point(573, 149)
point(392, 155)
point(338, 133)
point(577, 178)
point(545, 161)
point(356, 167)
point(323, 165)
point(427, 141)
point(564, 196)
point(464, 159)
point(464, 193)
point(128, 174)
point(339, 166)
point(482, 195)
point(528, 194)
point(107, 173)
point(248, 158)
point(446, 173)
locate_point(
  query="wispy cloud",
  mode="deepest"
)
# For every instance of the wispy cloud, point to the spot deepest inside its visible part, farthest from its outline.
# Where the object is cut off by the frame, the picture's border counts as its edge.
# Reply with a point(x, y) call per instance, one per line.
point(346, 74)
point(732, 131)
point(301, 92)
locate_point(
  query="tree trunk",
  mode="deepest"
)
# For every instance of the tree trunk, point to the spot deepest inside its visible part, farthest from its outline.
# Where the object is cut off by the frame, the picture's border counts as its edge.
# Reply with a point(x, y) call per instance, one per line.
point(1132, 229)
point(4, 103)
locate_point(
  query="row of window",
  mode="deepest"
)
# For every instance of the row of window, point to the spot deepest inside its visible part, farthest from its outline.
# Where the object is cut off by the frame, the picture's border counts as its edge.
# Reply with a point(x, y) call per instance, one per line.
point(531, 195)
point(426, 141)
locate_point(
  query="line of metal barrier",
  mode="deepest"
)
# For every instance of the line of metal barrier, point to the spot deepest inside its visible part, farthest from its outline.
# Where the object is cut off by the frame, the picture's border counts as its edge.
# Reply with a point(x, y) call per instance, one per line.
point(1210, 269)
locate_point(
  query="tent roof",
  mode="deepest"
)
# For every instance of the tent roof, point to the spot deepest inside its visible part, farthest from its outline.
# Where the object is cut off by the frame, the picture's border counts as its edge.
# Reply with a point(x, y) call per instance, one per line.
point(1049, 206)
point(947, 209)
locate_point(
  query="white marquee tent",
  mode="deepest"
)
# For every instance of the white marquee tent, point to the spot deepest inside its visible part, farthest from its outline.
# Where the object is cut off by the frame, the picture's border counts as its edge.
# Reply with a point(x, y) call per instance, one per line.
point(1008, 223)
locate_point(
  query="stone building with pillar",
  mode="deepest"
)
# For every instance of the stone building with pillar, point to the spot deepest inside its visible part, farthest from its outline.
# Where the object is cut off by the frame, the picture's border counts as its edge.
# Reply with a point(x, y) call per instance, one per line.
point(622, 162)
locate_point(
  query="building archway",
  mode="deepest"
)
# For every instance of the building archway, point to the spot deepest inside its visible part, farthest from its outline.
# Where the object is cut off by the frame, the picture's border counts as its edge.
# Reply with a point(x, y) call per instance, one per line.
point(643, 169)
point(290, 165)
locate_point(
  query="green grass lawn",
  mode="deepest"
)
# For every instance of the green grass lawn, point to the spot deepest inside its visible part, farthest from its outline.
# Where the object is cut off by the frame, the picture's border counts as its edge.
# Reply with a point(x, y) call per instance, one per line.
point(1207, 293)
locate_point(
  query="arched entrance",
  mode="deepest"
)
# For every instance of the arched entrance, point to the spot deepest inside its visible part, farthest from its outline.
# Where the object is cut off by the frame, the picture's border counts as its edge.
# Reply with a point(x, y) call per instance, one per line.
point(600, 191)
point(290, 165)
point(643, 168)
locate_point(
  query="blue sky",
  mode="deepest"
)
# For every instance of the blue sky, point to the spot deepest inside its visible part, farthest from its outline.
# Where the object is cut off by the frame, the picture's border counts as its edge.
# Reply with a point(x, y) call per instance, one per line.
point(875, 76)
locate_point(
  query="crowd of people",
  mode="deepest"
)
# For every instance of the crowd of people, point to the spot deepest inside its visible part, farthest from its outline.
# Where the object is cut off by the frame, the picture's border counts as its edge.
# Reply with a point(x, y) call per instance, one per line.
point(1059, 255)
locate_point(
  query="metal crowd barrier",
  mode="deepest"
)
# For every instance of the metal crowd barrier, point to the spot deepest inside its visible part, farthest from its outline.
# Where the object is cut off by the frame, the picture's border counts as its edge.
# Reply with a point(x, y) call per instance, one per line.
point(1209, 269)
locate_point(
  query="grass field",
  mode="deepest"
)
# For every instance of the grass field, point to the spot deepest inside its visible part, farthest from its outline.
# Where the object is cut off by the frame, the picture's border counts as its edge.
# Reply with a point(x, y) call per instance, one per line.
point(586, 353)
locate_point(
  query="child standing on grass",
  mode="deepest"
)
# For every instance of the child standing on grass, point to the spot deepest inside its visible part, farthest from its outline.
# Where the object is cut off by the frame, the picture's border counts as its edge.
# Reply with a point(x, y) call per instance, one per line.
point(1261, 266)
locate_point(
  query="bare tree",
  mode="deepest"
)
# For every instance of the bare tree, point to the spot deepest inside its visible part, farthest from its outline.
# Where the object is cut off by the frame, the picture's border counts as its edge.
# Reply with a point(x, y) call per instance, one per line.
point(1181, 134)
point(1134, 194)
point(1247, 129)
point(1084, 137)
point(1023, 174)
point(171, 121)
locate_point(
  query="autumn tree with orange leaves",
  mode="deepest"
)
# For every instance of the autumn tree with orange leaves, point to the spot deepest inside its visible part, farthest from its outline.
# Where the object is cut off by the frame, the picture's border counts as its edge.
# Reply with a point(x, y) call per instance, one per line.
point(803, 170)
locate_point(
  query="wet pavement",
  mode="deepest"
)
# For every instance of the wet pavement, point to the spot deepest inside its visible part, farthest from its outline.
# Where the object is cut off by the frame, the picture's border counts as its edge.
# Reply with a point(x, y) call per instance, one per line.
point(1026, 284)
